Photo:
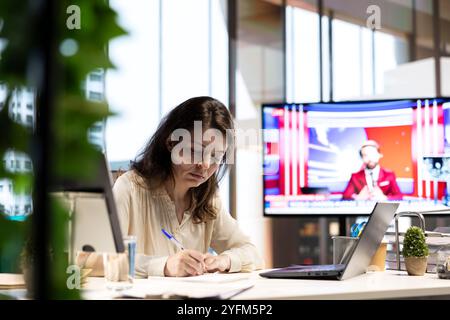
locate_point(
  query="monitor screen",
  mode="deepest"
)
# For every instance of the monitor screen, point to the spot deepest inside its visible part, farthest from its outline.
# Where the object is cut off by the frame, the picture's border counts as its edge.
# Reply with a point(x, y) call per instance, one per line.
point(342, 157)
point(96, 222)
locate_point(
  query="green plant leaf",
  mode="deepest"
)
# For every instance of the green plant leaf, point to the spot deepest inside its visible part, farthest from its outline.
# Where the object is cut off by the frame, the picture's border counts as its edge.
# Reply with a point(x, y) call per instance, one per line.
point(71, 155)
point(75, 157)
point(15, 32)
point(414, 243)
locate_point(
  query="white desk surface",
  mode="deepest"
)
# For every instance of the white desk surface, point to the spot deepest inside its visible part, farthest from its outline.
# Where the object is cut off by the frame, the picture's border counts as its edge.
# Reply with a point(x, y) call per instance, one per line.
point(373, 285)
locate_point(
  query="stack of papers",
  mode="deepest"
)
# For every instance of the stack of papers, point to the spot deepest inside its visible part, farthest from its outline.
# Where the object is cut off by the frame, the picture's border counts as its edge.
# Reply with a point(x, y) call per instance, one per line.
point(220, 286)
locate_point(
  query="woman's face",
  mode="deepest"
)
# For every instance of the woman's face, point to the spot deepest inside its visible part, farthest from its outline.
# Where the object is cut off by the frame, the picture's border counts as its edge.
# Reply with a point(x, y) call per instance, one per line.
point(197, 160)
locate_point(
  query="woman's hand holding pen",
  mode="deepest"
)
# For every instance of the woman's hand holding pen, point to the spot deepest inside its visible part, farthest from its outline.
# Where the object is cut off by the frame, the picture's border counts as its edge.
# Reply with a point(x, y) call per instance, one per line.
point(219, 263)
point(185, 263)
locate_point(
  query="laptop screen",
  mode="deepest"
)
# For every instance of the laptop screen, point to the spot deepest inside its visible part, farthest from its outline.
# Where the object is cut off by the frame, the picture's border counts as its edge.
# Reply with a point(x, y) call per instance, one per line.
point(370, 238)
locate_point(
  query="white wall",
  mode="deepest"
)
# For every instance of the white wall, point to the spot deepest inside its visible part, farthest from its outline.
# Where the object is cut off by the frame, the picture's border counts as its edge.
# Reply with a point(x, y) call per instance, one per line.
point(417, 79)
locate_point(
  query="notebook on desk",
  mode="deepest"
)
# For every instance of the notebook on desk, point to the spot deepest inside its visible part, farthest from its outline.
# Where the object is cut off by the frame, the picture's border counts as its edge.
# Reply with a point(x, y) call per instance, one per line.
point(367, 245)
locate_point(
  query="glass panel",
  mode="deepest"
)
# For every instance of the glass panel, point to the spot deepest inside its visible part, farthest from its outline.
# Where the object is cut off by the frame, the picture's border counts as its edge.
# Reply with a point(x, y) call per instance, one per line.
point(260, 79)
point(303, 58)
point(132, 89)
point(325, 59)
point(219, 50)
point(219, 70)
point(424, 40)
point(367, 85)
point(445, 47)
point(185, 48)
point(445, 76)
point(390, 52)
point(444, 10)
point(346, 60)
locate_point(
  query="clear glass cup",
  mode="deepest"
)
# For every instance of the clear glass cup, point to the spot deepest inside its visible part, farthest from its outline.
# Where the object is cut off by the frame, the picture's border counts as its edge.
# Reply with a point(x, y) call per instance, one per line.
point(119, 267)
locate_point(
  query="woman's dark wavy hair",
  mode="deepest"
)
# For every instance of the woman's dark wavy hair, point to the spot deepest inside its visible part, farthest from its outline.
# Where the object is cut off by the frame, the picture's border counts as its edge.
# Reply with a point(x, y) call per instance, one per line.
point(154, 163)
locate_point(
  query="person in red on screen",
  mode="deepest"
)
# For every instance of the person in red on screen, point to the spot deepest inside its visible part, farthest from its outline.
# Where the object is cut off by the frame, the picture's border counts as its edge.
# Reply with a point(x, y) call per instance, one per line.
point(372, 182)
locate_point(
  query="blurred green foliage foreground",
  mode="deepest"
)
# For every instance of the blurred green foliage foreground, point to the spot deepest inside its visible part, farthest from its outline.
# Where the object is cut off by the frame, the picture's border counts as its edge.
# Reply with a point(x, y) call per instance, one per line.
point(82, 31)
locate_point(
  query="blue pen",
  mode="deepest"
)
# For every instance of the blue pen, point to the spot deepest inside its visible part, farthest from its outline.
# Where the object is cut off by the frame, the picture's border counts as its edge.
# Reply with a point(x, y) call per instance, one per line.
point(171, 238)
point(179, 245)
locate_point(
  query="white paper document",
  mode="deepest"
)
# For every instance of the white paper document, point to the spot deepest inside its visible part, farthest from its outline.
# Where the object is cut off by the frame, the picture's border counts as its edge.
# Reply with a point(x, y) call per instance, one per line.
point(208, 278)
point(217, 277)
point(185, 290)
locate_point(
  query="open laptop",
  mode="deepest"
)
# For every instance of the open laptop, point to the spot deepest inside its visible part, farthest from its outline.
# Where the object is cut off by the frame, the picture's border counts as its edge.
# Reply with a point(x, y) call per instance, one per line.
point(360, 258)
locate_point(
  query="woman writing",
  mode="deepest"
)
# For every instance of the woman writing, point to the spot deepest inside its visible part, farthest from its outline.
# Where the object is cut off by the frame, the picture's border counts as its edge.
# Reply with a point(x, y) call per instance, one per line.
point(176, 189)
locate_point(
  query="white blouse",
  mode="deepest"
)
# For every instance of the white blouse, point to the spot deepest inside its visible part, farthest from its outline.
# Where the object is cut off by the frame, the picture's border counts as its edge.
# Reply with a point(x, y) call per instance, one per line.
point(143, 212)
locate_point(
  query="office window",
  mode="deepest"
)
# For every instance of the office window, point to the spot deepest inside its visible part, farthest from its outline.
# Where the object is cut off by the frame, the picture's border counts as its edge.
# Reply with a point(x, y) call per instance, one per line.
point(348, 70)
point(302, 55)
point(29, 106)
point(29, 120)
point(361, 59)
point(390, 52)
point(132, 89)
point(27, 164)
point(218, 50)
point(95, 96)
point(98, 127)
point(93, 76)
point(424, 25)
point(366, 72)
point(1, 188)
point(27, 208)
point(173, 52)
point(185, 46)
point(444, 11)
point(325, 59)
point(17, 164)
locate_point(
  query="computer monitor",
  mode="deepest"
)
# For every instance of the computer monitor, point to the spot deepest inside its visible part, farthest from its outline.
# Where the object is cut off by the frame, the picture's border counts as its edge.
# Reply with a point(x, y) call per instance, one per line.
point(310, 151)
point(94, 219)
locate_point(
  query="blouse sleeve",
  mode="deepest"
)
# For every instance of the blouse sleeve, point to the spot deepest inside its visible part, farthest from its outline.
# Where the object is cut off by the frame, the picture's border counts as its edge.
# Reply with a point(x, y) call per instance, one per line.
point(228, 239)
point(122, 190)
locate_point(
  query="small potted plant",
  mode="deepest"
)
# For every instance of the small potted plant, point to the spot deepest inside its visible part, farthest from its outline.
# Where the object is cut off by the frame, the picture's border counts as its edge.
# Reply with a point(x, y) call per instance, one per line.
point(415, 251)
